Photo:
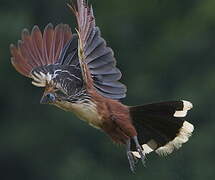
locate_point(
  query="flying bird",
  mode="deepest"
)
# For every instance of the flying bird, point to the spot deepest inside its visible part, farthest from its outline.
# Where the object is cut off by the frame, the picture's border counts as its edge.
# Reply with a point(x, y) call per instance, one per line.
point(78, 73)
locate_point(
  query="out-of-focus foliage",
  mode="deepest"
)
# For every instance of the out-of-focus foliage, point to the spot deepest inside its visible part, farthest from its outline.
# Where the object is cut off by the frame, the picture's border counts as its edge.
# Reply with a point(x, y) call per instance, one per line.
point(165, 49)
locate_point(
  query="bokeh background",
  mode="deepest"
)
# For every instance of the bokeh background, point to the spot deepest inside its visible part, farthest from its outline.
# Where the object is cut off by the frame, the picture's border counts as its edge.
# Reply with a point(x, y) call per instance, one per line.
point(165, 50)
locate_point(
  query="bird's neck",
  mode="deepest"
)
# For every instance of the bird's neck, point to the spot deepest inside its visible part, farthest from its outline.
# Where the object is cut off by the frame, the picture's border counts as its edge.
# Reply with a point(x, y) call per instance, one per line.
point(96, 111)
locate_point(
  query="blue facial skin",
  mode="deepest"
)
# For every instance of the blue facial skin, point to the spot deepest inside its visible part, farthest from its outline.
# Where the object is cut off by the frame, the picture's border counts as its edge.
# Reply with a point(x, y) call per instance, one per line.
point(48, 99)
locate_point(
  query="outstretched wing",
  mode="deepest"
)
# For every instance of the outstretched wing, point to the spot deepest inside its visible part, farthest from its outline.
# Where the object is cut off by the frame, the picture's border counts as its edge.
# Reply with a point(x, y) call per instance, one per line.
point(37, 49)
point(95, 57)
point(86, 49)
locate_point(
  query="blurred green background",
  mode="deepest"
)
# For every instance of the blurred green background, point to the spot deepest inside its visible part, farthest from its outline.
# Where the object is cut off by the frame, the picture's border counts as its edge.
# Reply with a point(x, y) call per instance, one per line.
point(165, 50)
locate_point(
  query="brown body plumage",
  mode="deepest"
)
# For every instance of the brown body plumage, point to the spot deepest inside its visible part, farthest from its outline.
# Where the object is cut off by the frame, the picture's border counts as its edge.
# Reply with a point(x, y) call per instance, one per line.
point(115, 117)
point(79, 74)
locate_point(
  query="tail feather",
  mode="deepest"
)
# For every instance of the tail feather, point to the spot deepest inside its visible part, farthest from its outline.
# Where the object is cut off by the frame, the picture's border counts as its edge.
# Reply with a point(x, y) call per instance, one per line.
point(161, 127)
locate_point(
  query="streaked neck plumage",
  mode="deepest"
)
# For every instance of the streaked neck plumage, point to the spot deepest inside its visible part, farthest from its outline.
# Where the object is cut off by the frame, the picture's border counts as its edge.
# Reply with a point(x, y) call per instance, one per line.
point(85, 109)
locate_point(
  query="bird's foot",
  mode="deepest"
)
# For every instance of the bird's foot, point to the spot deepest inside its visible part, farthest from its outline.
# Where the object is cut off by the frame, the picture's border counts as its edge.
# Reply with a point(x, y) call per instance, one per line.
point(140, 150)
point(142, 154)
point(131, 157)
point(132, 161)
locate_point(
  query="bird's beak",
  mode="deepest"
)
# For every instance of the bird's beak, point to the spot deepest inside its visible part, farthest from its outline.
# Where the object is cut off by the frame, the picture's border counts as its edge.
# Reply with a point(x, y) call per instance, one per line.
point(48, 98)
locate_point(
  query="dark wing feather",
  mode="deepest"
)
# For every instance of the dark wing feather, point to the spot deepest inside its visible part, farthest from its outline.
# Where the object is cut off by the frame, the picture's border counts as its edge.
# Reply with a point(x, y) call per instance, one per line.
point(94, 53)
point(37, 49)
point(69, 55)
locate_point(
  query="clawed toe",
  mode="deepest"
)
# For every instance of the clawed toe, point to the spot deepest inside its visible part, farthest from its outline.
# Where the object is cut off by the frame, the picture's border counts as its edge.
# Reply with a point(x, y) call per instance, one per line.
point(132, 161)
point(139, 150)
point(131, 158)
point(142, 154)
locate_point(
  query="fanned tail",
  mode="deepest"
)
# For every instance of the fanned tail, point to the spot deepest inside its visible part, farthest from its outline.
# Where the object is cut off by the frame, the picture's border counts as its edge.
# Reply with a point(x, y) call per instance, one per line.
point(161, 126)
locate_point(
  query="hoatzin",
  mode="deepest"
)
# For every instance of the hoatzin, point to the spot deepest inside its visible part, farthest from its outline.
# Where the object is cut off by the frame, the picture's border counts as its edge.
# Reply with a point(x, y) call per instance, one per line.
point(78, 72)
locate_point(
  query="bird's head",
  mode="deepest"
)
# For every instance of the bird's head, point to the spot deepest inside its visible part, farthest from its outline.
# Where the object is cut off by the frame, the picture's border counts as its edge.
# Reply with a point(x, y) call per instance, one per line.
point(60, 84)
point(48, 98)
point(52, 95)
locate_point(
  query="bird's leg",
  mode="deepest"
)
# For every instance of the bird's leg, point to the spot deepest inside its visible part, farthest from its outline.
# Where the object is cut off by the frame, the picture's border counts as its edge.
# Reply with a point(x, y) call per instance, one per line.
point(139, 150)
point(131, 158)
